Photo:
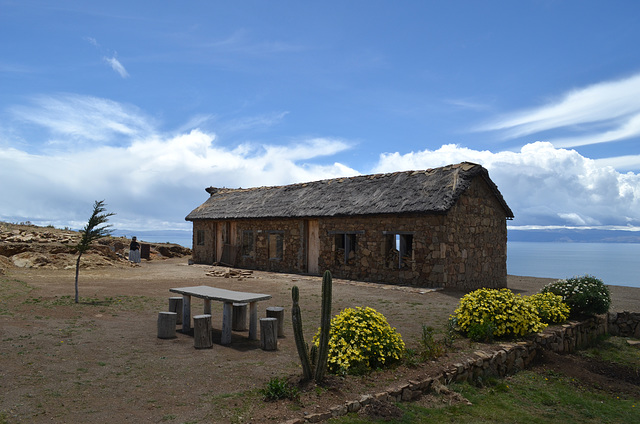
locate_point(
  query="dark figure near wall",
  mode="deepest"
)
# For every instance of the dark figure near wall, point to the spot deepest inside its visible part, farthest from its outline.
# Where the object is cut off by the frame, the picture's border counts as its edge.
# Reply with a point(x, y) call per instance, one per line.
point(134, 251)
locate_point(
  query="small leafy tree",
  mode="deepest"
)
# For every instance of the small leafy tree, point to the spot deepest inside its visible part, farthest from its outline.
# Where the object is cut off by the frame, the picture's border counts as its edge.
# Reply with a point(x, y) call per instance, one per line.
point(91, 232)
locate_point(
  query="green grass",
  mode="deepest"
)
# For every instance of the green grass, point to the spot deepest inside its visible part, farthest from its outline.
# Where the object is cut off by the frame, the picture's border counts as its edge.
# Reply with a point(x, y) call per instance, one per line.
point(615, 349)
point(531, 397)
point(527, 397)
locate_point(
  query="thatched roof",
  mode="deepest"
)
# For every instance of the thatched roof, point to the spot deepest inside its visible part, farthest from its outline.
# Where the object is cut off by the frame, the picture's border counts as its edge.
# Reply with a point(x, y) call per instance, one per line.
point(432, 191)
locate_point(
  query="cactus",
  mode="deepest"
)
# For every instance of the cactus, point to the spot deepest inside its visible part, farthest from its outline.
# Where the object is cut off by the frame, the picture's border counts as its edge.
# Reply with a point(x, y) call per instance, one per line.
point(325, 326)
point(313, 355)
point(296, 320)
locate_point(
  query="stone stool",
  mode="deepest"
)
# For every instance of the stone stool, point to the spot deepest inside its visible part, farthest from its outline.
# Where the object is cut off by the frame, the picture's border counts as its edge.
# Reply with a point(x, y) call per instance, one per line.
point(167, 325)
point(277, 312)
point(202, 337)
point(269, 333)
point(175, 305)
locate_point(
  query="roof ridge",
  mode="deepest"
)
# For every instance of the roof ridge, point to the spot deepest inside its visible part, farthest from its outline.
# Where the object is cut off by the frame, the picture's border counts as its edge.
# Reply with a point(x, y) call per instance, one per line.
point(432, 191)
point(212, 189)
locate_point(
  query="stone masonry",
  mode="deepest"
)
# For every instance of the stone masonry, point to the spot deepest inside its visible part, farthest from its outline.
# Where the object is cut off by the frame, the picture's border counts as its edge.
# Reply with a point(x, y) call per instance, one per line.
point(463, 249)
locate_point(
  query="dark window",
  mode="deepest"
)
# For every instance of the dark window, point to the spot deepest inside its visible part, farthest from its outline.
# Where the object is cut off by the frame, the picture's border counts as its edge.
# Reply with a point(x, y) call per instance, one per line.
point(247, 243)
point(276, 245)
point(345, 248)
point(399, 250)
point(200, 237)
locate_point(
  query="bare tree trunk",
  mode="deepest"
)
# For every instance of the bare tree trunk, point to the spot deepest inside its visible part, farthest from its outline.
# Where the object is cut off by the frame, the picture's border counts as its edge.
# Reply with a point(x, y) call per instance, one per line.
point(77, 271)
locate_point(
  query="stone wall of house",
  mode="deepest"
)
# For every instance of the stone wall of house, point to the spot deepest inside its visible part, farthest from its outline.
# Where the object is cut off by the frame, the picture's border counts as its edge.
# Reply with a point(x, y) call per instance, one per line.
point(278, 245)
point(376, 258)
point(465, 249)
point(203, 248)
point(476, 237)
point(267, 244)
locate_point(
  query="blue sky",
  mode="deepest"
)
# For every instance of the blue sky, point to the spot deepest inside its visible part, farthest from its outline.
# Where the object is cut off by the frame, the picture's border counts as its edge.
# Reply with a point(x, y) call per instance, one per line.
point(144, 104)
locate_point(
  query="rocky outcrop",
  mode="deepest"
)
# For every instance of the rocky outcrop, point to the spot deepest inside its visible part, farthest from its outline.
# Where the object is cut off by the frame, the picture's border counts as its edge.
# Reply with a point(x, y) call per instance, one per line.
point(29, 246)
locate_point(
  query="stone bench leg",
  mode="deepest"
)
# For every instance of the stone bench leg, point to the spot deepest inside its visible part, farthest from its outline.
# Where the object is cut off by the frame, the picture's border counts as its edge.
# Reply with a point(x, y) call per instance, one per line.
point(269, 333)
point(277, 312)
point(253, 321)
point(227, 310)
point(202, 337)
point(186, 313)
point(239, 321)
point(167, 325)
point(175, 305)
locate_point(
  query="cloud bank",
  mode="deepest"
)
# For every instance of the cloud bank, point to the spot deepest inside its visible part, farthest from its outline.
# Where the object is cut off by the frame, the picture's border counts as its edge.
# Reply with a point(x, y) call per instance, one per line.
point(94, 149)
point(543, 185)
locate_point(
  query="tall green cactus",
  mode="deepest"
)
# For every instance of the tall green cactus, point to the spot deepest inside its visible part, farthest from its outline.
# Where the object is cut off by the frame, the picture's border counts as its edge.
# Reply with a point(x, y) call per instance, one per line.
point(296, 320)
point(325, 326)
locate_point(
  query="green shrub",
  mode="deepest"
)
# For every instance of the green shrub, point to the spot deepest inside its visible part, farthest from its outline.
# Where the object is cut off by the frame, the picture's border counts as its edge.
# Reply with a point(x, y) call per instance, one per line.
point(279, 388)
point(451, 332)
point(360, 340)
point(429, 347)
point(586, 295)
point(510, 314)
point(411, 358)
point(482, 332)
point(551, 308)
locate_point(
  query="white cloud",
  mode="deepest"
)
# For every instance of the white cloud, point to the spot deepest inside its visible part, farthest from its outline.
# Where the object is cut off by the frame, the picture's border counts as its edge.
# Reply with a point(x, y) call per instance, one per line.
point(92, 41)
point(604, 112)
point(543, 185)
point(149, 179)
point(83, 118)
point(116, 66)
point(467, 104)
point(242, 42)
point(152, 179)
point(620, 162)
point(109, 59)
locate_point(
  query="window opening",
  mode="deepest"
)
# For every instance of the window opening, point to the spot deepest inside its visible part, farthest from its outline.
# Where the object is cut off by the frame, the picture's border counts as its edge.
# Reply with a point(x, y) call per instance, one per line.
point(399, 248)
point(345, 252)
point(247, 243)
point(200, 237)
point(276, 245)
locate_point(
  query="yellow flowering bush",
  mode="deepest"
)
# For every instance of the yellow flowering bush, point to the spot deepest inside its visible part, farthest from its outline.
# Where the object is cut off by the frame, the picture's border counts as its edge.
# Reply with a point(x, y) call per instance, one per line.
point(360, 340)
point(508, 314)
point(551, 309)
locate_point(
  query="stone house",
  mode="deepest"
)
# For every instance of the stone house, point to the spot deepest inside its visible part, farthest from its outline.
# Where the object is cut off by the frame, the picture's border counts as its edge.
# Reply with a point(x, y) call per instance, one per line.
point(443, 227)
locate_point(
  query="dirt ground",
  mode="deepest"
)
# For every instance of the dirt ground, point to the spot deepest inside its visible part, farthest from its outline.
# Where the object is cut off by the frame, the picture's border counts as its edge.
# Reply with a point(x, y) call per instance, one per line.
point(100, 361)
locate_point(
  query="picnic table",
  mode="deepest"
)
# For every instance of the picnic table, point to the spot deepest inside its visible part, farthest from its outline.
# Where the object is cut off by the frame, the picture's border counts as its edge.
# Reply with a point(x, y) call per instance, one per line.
point(228, 297)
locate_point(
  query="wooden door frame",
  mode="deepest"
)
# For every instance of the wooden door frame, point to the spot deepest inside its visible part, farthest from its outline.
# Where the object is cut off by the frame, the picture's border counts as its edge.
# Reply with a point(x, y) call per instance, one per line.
point(312, 246)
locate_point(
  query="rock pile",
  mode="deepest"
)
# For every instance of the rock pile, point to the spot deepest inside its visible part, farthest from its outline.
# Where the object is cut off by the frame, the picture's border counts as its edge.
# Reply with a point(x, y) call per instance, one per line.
point(230, 273)
point(29, 246)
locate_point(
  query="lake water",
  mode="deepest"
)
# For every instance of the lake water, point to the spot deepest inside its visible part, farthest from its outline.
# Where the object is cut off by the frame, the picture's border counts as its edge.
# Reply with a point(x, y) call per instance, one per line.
point(614, 263)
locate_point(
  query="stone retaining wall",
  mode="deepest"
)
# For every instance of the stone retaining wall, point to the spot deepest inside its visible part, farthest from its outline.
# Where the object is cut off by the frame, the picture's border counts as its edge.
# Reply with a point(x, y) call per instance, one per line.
point(624, 324)
point(509, 358)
